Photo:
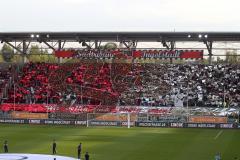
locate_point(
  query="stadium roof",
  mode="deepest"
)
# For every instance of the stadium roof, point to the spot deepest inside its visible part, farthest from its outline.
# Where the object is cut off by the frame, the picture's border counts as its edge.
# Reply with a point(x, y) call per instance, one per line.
point(120, 36)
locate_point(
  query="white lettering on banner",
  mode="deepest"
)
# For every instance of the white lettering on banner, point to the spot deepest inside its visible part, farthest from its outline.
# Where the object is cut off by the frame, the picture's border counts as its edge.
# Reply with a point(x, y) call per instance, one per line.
point(62, 122)
point(34, 121)
point(179, 125)
point(91, 54)
point(226, 125)
point(48, 122)
point(159, 124)
point(145, 124)
point(12, 121)
point(126, 123)
point(206, 126)
point(192, 125)
point(104, 123)
point(80, 122)
point(162, 54)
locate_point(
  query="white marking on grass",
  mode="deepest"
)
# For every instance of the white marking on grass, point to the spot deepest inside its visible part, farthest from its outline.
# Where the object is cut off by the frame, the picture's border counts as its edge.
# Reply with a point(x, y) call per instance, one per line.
point(219, 133)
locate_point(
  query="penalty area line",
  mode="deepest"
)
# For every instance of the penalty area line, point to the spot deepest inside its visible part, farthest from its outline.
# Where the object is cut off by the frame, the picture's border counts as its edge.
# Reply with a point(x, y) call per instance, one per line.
point(219, 133)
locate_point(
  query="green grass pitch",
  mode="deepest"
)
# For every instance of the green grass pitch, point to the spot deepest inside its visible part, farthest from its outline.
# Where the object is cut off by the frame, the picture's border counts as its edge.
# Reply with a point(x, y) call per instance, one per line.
point(110, 143)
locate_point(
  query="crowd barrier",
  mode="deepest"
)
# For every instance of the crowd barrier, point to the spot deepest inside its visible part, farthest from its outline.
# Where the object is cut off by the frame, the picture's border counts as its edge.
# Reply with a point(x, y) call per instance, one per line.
point(123, 123)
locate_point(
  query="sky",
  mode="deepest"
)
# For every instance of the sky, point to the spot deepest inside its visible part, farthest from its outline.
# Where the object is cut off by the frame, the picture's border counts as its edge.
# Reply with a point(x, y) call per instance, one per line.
point(119, 15)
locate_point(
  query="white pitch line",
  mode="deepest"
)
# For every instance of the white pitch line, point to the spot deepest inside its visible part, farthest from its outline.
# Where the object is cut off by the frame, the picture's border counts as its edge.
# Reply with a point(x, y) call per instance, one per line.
point(219, 133)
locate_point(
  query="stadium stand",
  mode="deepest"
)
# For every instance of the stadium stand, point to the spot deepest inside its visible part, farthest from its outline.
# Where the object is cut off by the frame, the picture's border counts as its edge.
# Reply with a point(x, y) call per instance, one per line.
point(53, 83)
point(200, 85)
point(121, 84)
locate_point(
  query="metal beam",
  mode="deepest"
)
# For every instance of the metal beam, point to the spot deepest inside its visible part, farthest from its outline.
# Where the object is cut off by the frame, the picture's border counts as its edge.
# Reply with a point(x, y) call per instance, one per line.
point(209, 48)
point(169, 45)
point(172, 45)
point(49, 46)
point(125, 44)
point(63, 44)
point(28, 45)
point(129, 44)
point(19, 50)
point(164, 43)
point(85, 44)
point(59, 44)
point(25, 47)
point(96, 44)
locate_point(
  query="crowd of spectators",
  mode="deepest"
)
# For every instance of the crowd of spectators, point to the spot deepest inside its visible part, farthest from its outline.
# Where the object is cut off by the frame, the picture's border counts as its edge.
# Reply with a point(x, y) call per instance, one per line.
point(188, 84)
point(5, 75)
point(84, 83)
point(127, 84)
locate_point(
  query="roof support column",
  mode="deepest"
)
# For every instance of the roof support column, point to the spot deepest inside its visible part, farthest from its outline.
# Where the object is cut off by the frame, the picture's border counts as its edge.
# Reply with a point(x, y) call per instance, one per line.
point(60, 59)
point(169, 46)
point(172, 47)
point(96, 44)
point(209, 48)
point(24, 51)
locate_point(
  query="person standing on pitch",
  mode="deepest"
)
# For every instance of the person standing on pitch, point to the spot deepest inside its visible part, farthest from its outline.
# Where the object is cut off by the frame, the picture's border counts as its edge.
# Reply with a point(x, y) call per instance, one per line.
point(54, 147)
point(79, 150)
point(86, 156)
point(5, 147)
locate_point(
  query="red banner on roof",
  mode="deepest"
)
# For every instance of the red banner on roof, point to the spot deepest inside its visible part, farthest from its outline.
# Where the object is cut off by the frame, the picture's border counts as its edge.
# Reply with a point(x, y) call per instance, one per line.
point(64, 54)
point(191, 54)
point(121, 54)
point(184, 54)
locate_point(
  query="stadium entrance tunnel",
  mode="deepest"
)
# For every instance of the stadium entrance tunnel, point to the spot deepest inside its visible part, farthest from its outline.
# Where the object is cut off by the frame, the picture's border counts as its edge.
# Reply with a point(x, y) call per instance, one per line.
point(19, 156)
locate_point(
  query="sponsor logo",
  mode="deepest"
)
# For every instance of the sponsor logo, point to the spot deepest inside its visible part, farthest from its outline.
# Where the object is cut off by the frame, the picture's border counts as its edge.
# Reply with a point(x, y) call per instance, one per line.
point(12, 121)
point(206, 125)
point(192, 125)
point(94, 123)
point(177, 125)
point(126, 123)
point(147, 124)
point(80, 122)
point(226, 126)
point(34, 121)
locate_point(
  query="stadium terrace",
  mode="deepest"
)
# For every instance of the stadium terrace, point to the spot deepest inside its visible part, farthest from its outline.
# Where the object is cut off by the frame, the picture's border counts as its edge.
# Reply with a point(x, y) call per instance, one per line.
point(96, 92)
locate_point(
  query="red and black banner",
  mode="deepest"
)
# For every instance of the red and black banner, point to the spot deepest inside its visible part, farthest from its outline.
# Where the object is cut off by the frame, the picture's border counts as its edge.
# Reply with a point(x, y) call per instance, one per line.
point(183, 54)
point(110, 54)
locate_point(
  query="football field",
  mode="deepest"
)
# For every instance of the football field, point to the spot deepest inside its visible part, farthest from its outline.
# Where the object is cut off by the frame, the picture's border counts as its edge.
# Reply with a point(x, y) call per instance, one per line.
point(110, 143)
